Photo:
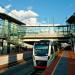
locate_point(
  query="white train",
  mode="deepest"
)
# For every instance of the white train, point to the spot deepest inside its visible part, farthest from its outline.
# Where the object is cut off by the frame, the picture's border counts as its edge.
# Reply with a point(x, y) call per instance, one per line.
point(43, 53)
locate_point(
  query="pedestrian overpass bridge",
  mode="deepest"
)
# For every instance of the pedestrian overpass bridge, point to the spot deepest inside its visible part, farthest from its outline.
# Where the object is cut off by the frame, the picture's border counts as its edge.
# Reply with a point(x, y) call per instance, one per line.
point(29, 34)
point(54, 33)
point(35, 37)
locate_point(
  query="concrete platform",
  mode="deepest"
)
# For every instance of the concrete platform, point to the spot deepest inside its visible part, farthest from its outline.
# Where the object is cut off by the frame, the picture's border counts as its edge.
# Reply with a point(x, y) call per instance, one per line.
point(64, 64)
point(7, 60)
point(21, 69)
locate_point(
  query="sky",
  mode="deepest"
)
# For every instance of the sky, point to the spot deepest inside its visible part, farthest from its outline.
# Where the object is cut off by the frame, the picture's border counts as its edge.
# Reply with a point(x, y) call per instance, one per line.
point(48, 11)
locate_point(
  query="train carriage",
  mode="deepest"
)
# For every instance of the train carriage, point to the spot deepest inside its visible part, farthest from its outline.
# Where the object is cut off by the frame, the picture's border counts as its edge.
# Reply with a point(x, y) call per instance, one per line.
point(43, 53)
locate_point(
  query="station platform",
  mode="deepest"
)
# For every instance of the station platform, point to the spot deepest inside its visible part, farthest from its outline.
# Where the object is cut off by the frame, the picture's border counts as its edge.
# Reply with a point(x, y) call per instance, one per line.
point(16, 68)
point(14, 59)
point(64, 64)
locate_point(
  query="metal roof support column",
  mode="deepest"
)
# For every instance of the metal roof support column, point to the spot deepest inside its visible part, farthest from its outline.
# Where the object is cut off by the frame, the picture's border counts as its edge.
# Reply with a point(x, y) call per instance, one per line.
point(8, 38)
point(67, 29)
point(2, 47)
point(74, 45)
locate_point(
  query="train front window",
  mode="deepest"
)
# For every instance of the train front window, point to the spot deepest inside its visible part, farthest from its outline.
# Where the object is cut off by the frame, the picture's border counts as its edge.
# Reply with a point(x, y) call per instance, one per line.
point(41, 49)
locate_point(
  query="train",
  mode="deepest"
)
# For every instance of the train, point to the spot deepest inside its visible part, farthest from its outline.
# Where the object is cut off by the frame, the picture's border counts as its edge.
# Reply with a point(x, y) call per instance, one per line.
point(44, 51)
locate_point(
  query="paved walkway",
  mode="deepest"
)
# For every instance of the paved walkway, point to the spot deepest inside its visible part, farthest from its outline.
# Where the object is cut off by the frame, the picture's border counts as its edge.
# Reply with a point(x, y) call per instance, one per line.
point(51, 67)
point(61, 68)
point(65, 65)
point(71, 63)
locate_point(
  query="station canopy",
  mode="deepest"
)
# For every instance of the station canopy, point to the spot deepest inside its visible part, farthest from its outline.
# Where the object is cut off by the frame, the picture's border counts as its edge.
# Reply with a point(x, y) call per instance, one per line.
point(10, 19)
point(71, 19)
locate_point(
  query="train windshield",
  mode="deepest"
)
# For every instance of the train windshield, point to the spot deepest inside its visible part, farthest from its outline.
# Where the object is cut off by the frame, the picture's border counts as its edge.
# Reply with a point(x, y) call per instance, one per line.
point(41, 48)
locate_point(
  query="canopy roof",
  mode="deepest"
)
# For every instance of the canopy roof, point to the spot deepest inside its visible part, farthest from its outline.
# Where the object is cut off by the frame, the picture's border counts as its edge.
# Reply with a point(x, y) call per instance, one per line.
point(11, 19)
point(71, 19)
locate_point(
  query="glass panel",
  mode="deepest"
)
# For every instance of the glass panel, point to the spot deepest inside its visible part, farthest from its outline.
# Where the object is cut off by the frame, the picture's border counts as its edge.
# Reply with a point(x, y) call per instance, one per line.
point(41, 48)
point(1, 27)
point(6, 27)
point(29, 30)
point(72, 27)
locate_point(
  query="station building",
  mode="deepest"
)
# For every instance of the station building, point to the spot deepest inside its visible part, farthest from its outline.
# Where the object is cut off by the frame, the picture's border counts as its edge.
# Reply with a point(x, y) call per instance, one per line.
point(71, 22)
point(10, 31)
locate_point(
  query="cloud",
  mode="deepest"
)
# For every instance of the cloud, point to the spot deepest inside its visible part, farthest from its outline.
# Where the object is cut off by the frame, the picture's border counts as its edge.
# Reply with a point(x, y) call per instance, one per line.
point(16, 14)
point(31, 21)
point(29, 8)
point(2, 9)
point(23, 13)
point(30, 13)
point(7, 6)
point(29, 17)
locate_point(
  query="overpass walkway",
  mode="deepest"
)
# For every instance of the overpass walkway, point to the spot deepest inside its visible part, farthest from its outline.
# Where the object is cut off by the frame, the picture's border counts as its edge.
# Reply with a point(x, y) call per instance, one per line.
point(64, 64)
